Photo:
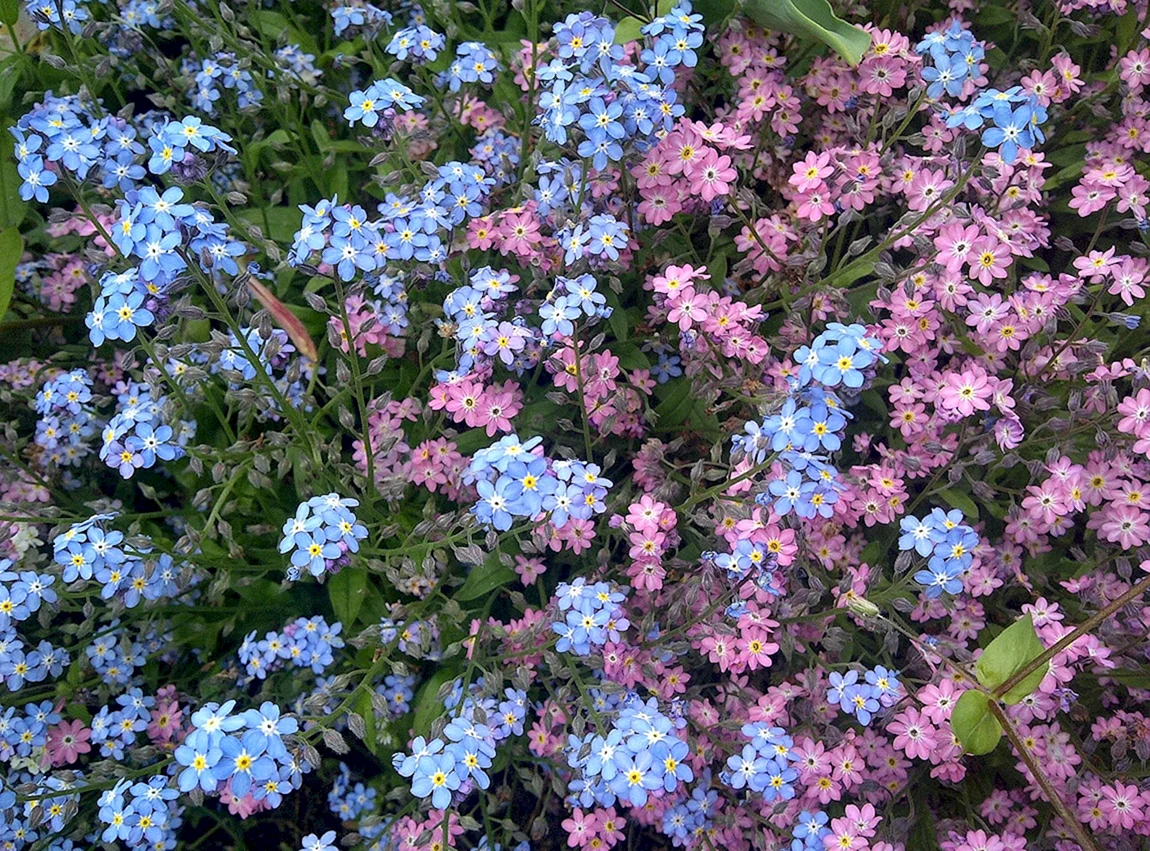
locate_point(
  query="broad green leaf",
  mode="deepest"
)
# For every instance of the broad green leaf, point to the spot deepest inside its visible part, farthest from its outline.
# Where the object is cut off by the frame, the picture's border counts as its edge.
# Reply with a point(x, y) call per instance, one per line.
point(11, 250)
point(12, 206)
point(347, 590)
point(959, 500)
point(1008, 654)
point(846, 275)
point(484, 579)
point(366, 711)
point(278, 223)
point(320, 134)
point(427, 704)
point(994, 15)
point(11, 70)
point(810, 19)
point(973, 723)
point(618, 318)
point(717, 268)
point(9, 12)
point(628, 30)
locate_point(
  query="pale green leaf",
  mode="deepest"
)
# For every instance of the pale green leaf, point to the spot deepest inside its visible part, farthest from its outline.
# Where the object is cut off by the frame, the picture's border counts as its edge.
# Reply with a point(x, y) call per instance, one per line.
point(974, 724)
point(810, 19)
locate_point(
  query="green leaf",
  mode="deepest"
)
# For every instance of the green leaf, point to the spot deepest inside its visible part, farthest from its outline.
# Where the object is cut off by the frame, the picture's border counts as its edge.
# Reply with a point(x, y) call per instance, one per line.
point(11, 70)
point(12, 206)
point(959, 500)
point(715, 12)
point(618, 318)
point(974, 724)
point(1011, 650)
point(628, 30)
point(278, 223)
point(846, 275)
point(994, 15)
point(717, 268)
point(484, 579)
point(9, 12)
point(11, 250)
point(810, 19)
point(347, 590)
point(427, 704)
point(320, 134)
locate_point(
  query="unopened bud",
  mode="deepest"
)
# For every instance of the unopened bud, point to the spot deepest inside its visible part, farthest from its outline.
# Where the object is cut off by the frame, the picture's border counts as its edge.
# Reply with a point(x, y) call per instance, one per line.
point(862, 606)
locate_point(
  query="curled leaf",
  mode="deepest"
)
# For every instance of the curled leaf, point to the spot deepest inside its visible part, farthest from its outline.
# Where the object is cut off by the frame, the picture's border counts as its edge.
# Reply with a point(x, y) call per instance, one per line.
point(810, 19)
point(285, 319)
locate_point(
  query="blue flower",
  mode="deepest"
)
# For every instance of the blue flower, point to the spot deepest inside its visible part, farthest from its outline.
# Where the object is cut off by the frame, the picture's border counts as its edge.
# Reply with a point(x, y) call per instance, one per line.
point(608, 236)
point(842, 363)
point(635, 777)
point(1012, 130)
point(435, 776)
point(839, 683)
point(36, 179)
point(164, 155)
point(199, 761)
point(916, 535)
point(244, 762)
point(788, 492)
point(748, 769)
point(940, 576)
point(669, 758)
point(311, 842)
point(860, 700)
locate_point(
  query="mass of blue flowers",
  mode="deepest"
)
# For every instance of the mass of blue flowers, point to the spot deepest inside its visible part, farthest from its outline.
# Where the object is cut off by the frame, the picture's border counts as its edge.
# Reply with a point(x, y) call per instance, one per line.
point(947, 542)
point(321, 535)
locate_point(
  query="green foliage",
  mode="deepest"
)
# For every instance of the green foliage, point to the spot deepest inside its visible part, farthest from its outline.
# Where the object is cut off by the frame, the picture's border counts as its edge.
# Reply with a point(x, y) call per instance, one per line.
point(484, 579)
point(974, 723)
point(11, 249)
point(347, 590)
point(811, 19)
point(973, 720)
point(1009, 653)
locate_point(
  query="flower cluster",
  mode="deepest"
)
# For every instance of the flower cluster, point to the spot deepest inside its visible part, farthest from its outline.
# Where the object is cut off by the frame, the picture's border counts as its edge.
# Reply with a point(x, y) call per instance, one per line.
point(304, 643)
point(591, 616)
point(513, 479)
point(879, 688)
point(948, 543)
point(640, 753)
point(243, 754)
point(321, 535)
point(442, 768)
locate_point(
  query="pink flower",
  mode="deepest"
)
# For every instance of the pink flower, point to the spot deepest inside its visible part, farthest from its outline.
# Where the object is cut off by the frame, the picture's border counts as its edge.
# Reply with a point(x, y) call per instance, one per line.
point(815, 207)
point(989, 259)
point(713, 175)
point(1127, 278)
point(580, 828)
point(1126, 526)
point(812, 172)
point(965, 393)
point(1096, 265)
point(1135, 411)
point(67, 741)
point(954, 243)
point(520, 233)
point(914, 734)
point(165, 721)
